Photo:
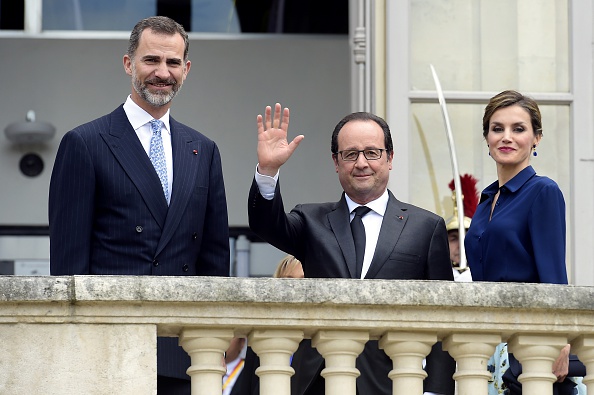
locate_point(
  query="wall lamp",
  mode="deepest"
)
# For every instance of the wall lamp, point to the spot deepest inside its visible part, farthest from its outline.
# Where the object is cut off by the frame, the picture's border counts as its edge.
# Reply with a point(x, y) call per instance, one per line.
point(30, 132)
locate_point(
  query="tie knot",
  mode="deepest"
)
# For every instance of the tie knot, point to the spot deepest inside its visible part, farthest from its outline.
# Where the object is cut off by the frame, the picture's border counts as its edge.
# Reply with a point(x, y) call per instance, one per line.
point(156, 125)
point(361, 211)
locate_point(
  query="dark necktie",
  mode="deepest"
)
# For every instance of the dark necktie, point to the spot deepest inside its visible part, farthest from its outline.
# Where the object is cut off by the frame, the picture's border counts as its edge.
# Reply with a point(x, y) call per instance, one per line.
point(358, 230)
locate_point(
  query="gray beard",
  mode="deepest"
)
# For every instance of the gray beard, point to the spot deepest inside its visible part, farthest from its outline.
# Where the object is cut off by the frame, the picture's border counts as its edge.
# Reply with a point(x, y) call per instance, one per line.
point(154, 99)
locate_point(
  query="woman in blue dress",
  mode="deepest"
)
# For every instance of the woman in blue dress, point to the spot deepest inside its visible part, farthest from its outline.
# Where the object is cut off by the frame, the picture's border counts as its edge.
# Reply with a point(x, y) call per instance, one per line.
point(517, 233)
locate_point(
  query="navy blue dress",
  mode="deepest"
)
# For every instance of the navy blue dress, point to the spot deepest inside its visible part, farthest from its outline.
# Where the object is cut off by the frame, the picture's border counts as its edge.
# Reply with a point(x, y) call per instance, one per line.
point(525, 239)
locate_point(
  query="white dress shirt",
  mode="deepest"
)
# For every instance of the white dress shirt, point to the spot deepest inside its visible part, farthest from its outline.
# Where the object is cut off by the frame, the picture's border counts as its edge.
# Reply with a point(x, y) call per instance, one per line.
point(372, 223)
point(139, 119)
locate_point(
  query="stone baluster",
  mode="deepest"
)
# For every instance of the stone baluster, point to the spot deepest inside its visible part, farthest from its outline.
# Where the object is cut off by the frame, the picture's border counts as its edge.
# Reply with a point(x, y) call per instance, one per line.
point(206, 348)
point(471, 352)
point(583, 347)
point(275, 348)
point(340, 350)
point(407, 351)
point(536, 353)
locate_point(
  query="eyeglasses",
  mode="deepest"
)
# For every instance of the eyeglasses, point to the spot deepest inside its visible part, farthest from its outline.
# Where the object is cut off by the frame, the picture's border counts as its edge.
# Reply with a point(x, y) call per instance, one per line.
point(353, 155)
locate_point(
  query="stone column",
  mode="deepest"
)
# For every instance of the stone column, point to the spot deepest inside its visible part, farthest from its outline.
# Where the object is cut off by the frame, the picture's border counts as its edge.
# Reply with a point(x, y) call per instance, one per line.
point(275, 348)
point(583, 347)
point(206, 348)
point(471, 352)
point(340, 350)
point(407, 351)
point(536, 353)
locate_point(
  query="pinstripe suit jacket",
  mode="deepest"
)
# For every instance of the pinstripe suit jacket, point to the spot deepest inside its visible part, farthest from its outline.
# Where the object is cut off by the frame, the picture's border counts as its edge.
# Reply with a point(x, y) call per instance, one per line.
point(108, 214)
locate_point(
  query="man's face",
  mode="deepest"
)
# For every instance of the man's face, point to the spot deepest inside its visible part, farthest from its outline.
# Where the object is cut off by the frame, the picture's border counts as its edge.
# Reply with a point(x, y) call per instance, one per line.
point(363, 180)
point(158, 70)
point(454, 241)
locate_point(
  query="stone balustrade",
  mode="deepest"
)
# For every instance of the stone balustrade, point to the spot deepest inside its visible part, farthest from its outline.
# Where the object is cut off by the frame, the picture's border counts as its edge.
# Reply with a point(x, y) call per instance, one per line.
point(97, 334)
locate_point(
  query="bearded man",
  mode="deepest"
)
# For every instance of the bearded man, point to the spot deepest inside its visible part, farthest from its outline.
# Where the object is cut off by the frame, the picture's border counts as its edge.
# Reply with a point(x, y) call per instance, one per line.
point(137, 193)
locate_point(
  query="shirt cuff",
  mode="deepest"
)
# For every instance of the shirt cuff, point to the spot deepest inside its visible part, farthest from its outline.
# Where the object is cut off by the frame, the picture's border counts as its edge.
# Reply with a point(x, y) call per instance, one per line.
point(266, 184)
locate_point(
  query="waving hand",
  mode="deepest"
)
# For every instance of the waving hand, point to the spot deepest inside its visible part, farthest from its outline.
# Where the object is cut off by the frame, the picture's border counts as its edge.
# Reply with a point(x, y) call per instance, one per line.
point(273, 147)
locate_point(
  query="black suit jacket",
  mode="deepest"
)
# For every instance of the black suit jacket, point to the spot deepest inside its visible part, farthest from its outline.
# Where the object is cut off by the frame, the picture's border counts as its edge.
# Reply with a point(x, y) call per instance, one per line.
point(412, 245)
point(108, 214)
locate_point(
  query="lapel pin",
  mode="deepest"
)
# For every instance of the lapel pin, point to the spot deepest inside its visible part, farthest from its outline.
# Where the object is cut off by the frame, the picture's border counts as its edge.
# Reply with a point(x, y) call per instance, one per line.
point(400, 217)
point(195, 152)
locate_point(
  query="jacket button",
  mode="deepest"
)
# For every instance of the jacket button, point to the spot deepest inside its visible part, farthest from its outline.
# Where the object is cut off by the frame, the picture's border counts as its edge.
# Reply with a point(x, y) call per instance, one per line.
point(185, 268)
point(194, 236)
point(155, 263)
point(139, 229)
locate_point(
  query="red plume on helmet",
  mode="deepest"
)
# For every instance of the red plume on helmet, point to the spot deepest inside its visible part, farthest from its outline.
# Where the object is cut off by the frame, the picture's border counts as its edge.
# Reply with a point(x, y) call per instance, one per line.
point(470, 195)
point(470, 200)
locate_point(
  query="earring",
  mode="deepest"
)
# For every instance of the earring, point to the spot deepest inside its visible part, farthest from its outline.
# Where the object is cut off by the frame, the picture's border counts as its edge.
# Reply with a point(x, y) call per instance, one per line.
point(534, 152)
point(489, 152)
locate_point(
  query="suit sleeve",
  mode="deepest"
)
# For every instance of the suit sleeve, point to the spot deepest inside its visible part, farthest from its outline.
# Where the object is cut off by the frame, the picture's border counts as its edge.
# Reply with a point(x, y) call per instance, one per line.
point(267, 218)
point(440, 365)
point(438, 260)
point(214, 255)
point(71, 202)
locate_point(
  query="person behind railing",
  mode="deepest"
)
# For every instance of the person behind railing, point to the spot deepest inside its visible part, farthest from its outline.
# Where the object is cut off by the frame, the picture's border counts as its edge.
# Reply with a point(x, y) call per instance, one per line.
point(137, 193)
point(289, 267)
point(235, 359)
point(517, 233)
point(398, 240)
point(469, 203)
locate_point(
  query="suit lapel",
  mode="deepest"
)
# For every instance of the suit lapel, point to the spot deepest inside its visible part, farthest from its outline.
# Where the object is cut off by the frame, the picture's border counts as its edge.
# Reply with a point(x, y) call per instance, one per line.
point(128, 151)
point(185, 168)
point(339, 221)
point(392, 225)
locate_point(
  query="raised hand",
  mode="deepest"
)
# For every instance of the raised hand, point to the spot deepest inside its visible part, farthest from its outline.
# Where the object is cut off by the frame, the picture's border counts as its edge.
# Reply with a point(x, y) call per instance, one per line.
point(273, 147)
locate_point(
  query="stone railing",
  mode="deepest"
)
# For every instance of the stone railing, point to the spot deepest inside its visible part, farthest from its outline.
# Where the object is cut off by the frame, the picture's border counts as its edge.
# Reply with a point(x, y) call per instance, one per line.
point(97, 335)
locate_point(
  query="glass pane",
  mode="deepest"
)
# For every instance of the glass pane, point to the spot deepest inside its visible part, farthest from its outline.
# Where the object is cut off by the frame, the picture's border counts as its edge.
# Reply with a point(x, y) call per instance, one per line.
point(432, 170)
point(486, 45)
point(95, 15)
point(12, 14)
point(217, 16)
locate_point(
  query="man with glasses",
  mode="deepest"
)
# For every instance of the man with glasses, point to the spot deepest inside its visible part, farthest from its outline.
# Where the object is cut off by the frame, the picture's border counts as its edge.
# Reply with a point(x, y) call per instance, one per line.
point(400, 241)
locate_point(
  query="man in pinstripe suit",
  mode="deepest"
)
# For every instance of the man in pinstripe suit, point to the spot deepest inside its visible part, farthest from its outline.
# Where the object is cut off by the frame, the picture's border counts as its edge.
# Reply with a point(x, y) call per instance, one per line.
point(110, 213)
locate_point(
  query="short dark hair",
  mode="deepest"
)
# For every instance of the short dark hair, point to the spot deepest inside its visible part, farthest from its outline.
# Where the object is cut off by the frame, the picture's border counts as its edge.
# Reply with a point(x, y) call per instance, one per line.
point(511, 98)
point(363, 116)
point(160, 25)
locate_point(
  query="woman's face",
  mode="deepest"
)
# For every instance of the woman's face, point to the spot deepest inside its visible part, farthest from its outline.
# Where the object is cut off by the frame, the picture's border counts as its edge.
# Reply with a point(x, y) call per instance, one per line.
point(511, 137)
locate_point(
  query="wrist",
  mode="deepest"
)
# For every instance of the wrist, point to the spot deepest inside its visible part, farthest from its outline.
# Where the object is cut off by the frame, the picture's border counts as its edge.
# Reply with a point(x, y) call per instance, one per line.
point(266, 171)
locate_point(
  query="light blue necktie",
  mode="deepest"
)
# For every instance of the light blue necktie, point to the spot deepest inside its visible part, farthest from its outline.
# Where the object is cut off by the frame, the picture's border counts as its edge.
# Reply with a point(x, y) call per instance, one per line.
point(157, 155)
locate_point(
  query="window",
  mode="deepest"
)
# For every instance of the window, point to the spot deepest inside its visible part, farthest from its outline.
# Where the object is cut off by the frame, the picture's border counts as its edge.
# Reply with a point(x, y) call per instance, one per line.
point(212, 16)
point(12, 14)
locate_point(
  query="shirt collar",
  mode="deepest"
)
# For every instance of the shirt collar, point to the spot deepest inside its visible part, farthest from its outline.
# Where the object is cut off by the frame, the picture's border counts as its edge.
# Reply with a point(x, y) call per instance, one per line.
point(512, 185)
point(138, 117)
point(378, 205)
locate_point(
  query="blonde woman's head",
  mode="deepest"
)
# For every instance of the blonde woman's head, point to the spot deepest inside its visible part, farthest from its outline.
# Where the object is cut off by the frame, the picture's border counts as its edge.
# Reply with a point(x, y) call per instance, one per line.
point(289, 267)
